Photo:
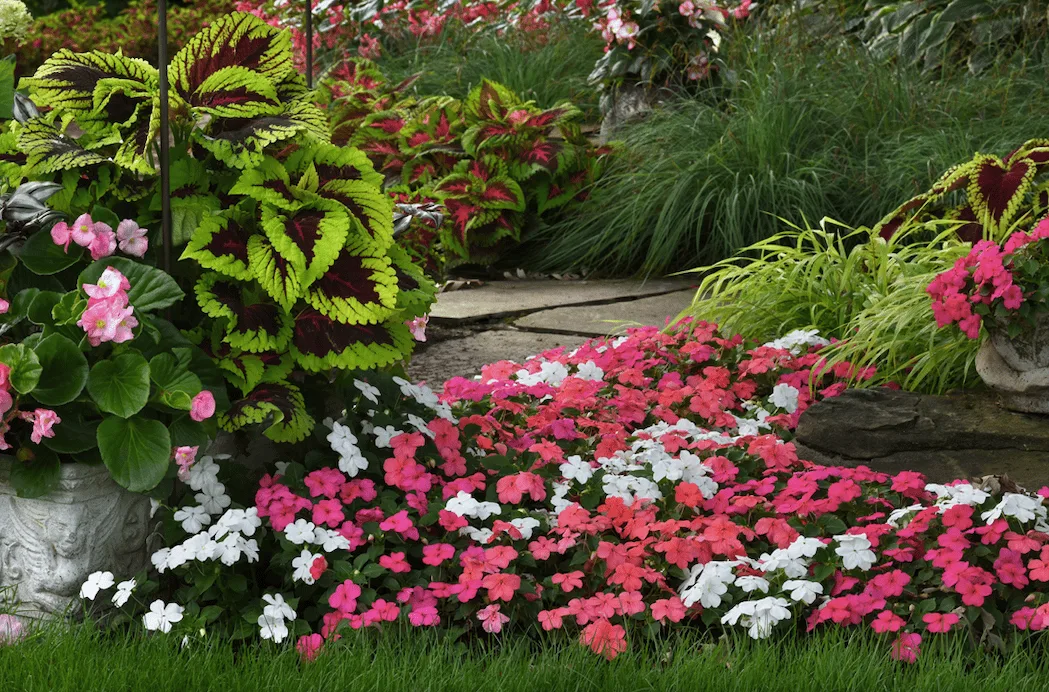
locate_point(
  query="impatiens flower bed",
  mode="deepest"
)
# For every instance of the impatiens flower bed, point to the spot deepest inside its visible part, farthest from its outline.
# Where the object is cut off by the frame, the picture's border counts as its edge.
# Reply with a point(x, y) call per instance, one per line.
point(615, 491)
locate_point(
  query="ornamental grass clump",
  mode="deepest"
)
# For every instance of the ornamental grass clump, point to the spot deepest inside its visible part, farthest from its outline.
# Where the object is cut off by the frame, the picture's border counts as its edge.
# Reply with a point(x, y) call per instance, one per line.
point(616, 491)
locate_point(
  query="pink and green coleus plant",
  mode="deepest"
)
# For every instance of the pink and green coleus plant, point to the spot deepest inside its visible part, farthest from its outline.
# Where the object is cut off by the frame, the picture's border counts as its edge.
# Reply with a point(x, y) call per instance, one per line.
point(617, 491)
point(1002, 286)
point(95, 373)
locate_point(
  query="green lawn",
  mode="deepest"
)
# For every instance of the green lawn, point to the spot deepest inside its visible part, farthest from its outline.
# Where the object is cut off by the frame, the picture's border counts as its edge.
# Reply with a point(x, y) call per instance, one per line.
point(419, 661)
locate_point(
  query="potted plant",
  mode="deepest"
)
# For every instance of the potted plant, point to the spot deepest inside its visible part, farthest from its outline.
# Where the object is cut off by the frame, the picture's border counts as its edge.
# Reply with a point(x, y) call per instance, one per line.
point(101, 400)
point(1004, 288)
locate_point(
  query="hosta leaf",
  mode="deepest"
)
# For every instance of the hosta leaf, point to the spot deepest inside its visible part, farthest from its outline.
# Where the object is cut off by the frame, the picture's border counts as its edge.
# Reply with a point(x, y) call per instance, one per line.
point(220, 244)
point(310, 237)
point(320, 343)
point(279, 276)
point(238, 39)
point(278, 406)
point(356, 289)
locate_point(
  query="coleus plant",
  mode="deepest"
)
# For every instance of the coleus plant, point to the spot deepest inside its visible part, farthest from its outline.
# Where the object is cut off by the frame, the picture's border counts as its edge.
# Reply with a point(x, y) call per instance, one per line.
point(89, 369)
point(301, 274)
point(987, 197)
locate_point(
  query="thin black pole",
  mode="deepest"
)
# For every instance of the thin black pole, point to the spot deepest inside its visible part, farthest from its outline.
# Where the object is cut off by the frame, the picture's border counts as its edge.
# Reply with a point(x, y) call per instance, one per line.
point(165, 145)
point(309, 43)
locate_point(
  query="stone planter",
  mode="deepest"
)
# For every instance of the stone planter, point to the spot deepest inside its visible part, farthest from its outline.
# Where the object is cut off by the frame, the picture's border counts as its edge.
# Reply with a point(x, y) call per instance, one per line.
point(49, 545)
point(628, 102)
point(1018, 369)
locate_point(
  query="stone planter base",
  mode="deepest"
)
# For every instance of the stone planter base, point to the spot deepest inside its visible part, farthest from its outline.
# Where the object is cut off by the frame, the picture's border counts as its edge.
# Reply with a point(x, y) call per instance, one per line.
point(1019, 375)
point(49, 545)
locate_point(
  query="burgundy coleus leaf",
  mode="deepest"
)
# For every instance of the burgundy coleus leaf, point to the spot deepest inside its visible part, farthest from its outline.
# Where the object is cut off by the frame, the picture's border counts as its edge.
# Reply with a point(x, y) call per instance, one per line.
point(220, 244)
point(391, 124)
point(357, 289)
point(309, 238)
point(996, 190)
point(253, 323)
point(321, 343)
point(546, 118)
point(237, 40)
point(497, 191)
point(277, 405)
point(888, 226)
point(543, 153)
point(972, 230)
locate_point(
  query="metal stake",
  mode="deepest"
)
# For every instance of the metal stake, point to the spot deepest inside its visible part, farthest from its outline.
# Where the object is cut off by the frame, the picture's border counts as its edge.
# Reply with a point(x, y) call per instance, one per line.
point(165, 144)
point(309, 43)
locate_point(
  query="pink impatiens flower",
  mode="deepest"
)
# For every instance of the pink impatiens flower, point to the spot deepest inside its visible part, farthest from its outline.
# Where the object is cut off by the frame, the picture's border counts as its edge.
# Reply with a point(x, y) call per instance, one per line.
point(345, 597)
point(492, 620)
point(203, 406)
point(907, 647)
point(939, 622)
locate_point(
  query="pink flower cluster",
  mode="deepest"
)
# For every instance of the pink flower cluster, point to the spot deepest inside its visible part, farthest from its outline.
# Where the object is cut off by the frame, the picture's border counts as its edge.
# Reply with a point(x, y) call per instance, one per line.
point(108, 316)
point(100, 239)
point(986, 276)
point(42, 419)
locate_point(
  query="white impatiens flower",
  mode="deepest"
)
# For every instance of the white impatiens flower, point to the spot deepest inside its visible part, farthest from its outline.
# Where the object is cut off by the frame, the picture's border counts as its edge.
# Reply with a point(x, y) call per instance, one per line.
point(162, 616)
point(750, 584)
point(272, 628)
point(300, 531)
point(590, 371)
point(123, 593)
point(785, 397)
point(526, 525)
point(707, 583)
point(370, 392)
point(897, 514)
point(576, 469)
point(97, 581)
point(203, 474)
point(759, 617)
point(245, 521)
point(193, 519)
point(277, 607)
point(384, 434)
point(802, 590)
point(855, 551)
point(464, 505)
point(961, 494)
point(160, 559)
point(302, 565)
point(330, 541)
point(799, 340)
point(1023, 508)
point(213, 498)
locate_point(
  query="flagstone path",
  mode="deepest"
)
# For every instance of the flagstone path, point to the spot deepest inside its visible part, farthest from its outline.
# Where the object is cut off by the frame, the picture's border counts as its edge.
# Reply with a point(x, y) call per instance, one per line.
point(514, 319)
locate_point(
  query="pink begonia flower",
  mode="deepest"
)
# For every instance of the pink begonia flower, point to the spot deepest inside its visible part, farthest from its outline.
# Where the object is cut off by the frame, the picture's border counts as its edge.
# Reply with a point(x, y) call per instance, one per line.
point(11, 630)
point(132, 238)
point(906, 647)
point(105, 322)
point(6, 401)
point(4, 306)
point(43, 420)
point(203, 406)
point(417, 327)
point(83, 230)
point(309, 645)
point(104, 243)
point(62, 235)
point(492, 620)
point(110, 284)
point(184, 457)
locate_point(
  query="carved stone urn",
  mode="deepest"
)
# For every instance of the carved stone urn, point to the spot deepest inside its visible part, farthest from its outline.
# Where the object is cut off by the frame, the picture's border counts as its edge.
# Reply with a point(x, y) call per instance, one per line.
point(1018, 368)
point(49, 545)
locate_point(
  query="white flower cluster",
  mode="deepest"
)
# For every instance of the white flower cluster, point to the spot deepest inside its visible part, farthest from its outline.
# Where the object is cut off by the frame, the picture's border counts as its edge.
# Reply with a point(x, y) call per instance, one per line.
point(799, 340)
point(15, 20)
point(344, 443)
point(275, 615)
point(855, 551)
point(303, 532)
point(793, 560)
point(425, 396)
point(759, 617)
point(1023, 508)
point(550, 372)
point(948, 496)
point(227, 541)
point(100, 581)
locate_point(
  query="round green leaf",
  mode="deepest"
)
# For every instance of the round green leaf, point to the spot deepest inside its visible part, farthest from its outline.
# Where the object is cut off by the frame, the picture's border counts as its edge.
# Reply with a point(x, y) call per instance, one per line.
point(38, 475)
point(25, 366)
point(137, 451)
point(39, 311)
point(73, 435)
point(40, 255)
point(176, 385)
point(120, 385)
point(65, 371)
point(151, 288)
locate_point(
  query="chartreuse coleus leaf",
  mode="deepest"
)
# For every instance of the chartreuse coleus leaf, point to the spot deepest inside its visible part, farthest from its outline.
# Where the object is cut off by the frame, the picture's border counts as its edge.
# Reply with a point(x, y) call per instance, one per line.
point(93, 86)
point(240, 143)
point(253, 322)
point(320, 343)
point(310, 237)
point(279, 406)
point(220, 244)
point(356, 289)
point(281, 277)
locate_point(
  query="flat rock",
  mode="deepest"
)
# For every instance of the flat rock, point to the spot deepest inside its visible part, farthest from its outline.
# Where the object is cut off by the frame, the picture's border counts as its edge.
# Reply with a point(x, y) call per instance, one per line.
point(465, 356)
point(613, 318)
point(511, 298)
point(962, 435)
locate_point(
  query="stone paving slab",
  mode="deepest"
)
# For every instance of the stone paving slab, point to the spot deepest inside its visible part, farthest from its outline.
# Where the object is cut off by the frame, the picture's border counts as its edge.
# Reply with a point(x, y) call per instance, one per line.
point(466, 356)
point(509, 298)
point(611, 318)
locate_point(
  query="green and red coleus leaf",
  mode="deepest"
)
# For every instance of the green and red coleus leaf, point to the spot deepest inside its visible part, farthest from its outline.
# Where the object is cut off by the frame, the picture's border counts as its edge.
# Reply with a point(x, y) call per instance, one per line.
point(47, 149)
point(279, 276)
point(242, 142)
point(252, 322)
point(356, 289)
point(321, 343)
point(220, 244)
point(278, 406)
point(309, 238)
point(996, 190)
point(415, 291)
point(245, 371)
point(235, 61)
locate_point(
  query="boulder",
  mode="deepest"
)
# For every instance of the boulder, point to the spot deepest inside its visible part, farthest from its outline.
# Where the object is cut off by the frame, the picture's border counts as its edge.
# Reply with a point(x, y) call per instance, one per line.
point(961, 435)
